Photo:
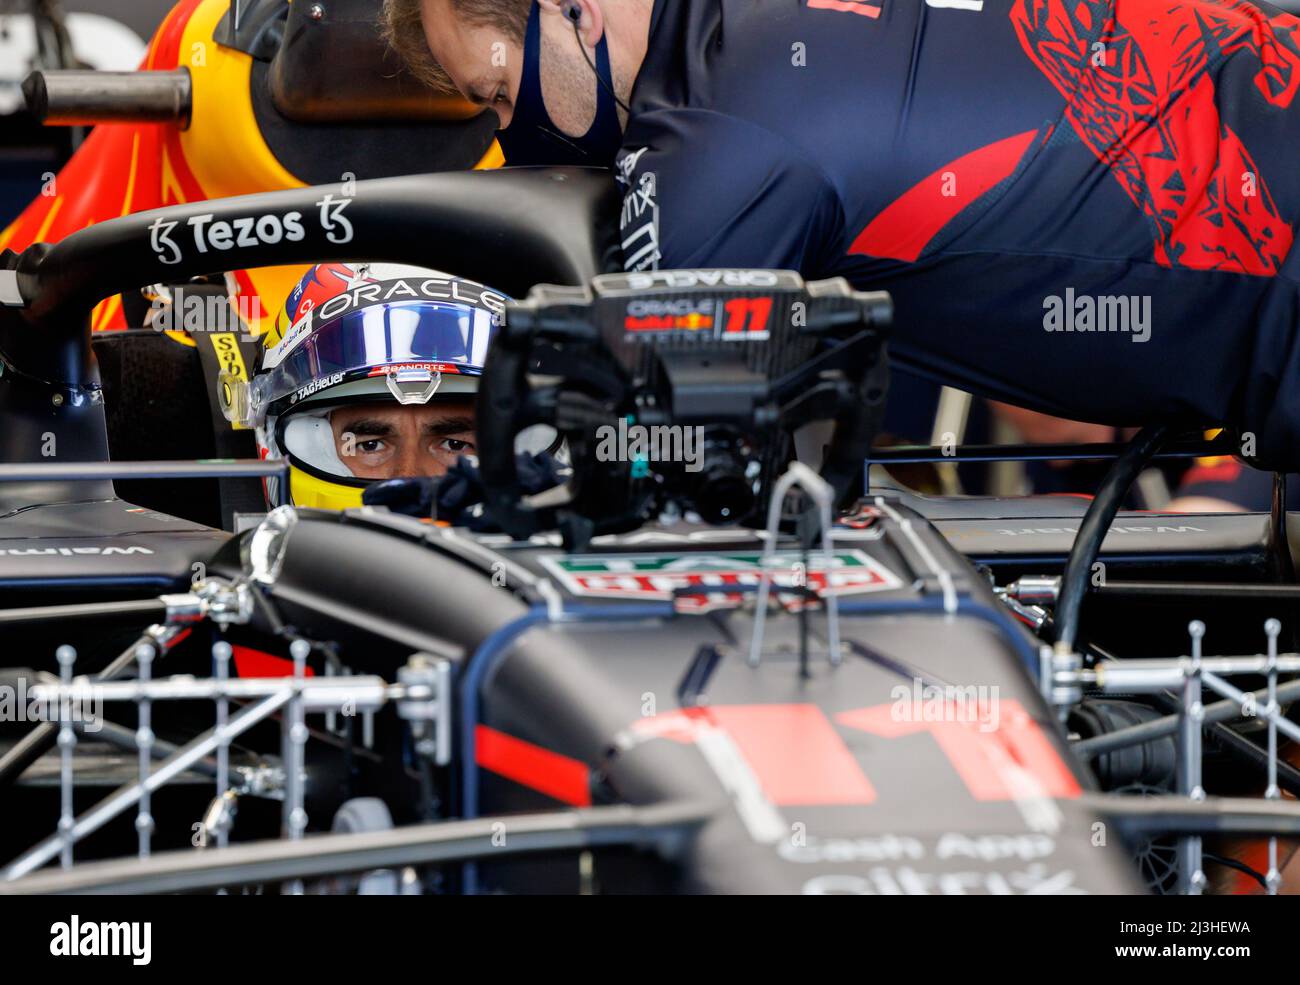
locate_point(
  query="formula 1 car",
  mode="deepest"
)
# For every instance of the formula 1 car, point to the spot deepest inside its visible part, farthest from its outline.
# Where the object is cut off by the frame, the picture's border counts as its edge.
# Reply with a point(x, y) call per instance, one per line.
point(653, 679)
point(776, 672)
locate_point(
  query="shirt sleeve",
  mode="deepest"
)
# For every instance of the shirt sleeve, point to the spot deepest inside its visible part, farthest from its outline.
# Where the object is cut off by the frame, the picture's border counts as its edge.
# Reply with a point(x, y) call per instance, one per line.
point(702, 189)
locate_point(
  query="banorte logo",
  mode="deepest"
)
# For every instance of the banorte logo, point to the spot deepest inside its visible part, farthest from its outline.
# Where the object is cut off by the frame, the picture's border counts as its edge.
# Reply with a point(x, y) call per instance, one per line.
point(398, 367)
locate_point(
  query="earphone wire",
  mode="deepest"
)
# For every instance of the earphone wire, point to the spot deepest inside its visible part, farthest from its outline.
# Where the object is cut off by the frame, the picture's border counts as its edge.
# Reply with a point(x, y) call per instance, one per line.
point(590, 64)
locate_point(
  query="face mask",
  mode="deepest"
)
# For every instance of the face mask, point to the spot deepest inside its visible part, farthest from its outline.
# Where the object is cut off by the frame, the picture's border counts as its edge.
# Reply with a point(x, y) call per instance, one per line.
point(532, 138)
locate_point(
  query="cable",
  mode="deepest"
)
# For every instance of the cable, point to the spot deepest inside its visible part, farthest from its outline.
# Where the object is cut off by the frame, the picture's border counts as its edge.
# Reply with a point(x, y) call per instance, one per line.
point(1095, 526)
point(1232, 863)
point(569, 11)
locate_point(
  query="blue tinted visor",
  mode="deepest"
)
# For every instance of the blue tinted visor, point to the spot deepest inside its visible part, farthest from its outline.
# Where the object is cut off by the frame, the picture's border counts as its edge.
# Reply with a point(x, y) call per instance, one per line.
point(373, 341)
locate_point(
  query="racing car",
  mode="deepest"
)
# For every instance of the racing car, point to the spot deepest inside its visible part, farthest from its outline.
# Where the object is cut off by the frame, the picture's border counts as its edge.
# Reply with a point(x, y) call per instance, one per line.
point(780, 671)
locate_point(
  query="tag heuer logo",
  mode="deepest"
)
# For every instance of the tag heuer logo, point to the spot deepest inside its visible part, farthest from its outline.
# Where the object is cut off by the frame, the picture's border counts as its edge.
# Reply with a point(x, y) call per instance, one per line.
point(655, 577)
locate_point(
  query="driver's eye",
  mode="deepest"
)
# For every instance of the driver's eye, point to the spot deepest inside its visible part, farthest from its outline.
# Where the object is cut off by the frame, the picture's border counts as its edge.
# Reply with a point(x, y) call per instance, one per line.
point(500, 96)
point(370, 446)
point(456, 445)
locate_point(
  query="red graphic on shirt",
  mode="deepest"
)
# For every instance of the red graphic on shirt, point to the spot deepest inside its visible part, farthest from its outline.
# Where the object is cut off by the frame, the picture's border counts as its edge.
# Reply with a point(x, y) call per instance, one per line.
point(864, 7)
point(907, 225)
point(1140, 92)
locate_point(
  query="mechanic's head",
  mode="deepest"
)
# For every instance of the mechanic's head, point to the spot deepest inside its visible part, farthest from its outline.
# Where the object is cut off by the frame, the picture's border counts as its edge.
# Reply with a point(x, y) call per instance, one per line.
point(369, 373)
point(477, 48)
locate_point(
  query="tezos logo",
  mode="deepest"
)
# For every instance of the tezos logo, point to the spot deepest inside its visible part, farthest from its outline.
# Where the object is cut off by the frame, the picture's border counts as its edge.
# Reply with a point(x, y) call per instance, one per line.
point(210, 235)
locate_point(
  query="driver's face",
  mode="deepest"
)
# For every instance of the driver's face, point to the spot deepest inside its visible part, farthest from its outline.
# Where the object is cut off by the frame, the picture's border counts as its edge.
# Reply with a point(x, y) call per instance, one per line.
point(380, 442)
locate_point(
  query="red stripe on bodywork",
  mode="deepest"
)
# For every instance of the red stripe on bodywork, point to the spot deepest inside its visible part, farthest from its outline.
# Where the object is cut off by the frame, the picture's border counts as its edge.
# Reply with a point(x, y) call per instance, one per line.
point(793, 750)
point(566, 780)
point(902, 230)
point(978, 756)
point(258, 663)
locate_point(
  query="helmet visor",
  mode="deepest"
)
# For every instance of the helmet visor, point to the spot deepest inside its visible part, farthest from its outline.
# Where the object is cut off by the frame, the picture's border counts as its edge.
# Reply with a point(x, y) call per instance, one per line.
point(380, 340)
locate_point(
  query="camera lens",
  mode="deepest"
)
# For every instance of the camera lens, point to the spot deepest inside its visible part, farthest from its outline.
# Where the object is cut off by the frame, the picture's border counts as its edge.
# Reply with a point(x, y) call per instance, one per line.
point(724, 495)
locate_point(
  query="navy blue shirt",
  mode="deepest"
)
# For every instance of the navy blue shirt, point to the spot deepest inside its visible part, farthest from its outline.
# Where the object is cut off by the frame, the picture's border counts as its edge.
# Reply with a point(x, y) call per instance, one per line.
point(1080, 206)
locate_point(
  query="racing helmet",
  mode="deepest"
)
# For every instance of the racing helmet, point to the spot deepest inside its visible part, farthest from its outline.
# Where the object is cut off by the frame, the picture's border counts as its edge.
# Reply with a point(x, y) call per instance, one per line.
point(357, 333)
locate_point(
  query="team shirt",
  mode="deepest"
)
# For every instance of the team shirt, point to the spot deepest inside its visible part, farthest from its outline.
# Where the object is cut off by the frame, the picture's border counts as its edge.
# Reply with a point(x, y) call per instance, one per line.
point(1084, 207)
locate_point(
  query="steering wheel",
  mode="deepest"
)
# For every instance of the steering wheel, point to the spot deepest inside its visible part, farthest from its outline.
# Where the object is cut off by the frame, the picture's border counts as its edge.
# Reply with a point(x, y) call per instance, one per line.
point(579, 360)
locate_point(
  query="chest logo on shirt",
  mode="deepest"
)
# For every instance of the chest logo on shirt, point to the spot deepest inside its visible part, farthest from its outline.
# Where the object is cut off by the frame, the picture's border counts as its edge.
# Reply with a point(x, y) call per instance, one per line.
point(866, 8)
point(872, 8)
point(639, 222)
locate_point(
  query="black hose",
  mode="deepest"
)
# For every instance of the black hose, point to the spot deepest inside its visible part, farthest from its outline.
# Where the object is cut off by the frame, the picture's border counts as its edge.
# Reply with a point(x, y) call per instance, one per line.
point(1277, 535)
point(1229, 741)
point(1198, 589)
point(1241, 867)
point(1095, 526)
point(1224, 710)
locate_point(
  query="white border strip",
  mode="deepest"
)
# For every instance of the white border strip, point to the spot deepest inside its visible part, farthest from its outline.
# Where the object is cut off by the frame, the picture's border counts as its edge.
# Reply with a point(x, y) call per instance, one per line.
point(944, 577)
point(10, 295)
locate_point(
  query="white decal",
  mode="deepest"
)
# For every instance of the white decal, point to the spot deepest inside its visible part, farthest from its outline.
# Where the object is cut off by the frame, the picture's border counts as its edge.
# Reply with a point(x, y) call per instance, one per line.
point(337, 228)
point(160, 238)
point(315, 386)
point(1033, 880)
point(639, 221)
point(702, 278)
point(71, 551)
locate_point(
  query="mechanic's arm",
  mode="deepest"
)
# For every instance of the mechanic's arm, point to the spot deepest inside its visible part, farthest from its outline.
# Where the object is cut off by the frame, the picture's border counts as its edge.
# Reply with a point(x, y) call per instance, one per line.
point(1223, 485)
point(706, 190)
point(1043, 429)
